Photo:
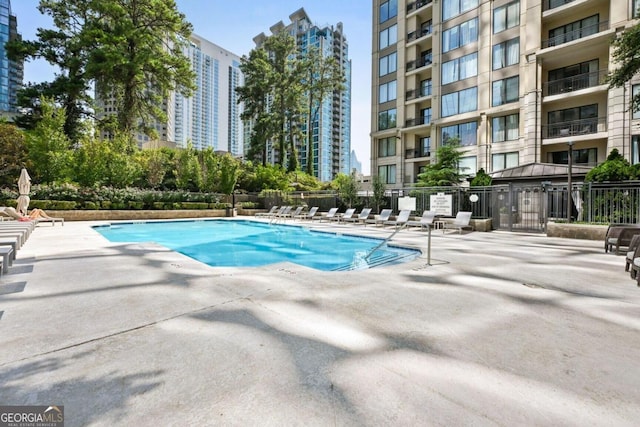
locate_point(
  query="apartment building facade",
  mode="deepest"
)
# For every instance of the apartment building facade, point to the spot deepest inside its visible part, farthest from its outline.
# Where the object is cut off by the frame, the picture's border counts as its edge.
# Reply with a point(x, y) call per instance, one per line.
point(515, 82)
point(331, 128)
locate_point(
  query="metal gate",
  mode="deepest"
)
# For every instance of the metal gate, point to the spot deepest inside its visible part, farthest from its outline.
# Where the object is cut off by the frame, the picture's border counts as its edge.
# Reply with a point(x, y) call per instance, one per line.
point(519, 207)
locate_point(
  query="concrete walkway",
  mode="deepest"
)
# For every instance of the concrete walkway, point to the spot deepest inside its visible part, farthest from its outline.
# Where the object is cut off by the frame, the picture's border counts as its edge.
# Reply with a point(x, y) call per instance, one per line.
point(502, 329)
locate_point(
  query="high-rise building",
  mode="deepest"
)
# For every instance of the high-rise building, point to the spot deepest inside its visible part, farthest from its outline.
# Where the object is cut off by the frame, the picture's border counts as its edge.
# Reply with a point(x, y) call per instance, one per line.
point(211, 116)
point(11, 72)
point(513, 82)
point(331, 129)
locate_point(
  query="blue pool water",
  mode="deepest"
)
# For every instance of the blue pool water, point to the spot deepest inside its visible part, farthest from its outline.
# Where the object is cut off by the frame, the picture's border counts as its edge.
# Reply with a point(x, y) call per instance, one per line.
point(248, 243)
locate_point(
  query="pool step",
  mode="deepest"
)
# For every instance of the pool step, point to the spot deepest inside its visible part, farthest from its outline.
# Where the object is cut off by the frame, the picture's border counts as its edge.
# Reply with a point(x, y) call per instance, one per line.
point(376, 259)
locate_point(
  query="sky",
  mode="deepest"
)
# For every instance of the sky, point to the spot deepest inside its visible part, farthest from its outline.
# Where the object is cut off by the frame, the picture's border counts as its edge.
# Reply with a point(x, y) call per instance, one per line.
point(233, 25)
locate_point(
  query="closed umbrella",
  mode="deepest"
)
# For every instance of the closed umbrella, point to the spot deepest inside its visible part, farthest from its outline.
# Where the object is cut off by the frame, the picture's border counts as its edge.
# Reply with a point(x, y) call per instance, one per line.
point(24, 187)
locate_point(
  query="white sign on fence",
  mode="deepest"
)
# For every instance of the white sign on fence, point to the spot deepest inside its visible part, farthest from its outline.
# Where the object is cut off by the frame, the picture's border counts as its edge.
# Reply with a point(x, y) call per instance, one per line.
point(441, 203)
point(407, 203)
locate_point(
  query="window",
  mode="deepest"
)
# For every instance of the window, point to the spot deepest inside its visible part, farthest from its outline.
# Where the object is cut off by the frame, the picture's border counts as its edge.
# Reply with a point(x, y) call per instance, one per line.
point(425, 113)
point(388, 10)
point(576, 114)
point(581, 156)
point(387, 92)
point(634, 92)
point(387, 174)
point(460, 35)
point(505, 17)
point(460, 102)
point(388, 36)
point(635, 149)
point(388, 64)
point(573, 31)
point(387, 119)
point(460, 68)
point(505, 128)
point(636, 8)
point(451, 8)
point(504, 160)
point(464, 133)
point(505, 91)
point(507, 53)
point(425, 146)
point(468, 165)
point(425, 87)
point(387, 147)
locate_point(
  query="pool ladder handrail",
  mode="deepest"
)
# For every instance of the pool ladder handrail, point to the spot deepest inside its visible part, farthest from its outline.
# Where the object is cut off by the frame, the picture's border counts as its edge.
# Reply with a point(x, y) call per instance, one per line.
point(385, 241)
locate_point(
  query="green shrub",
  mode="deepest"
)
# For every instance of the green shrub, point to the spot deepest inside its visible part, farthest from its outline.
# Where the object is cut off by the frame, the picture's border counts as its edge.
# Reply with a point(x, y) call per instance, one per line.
point(194, 205)
point(250, 205)
point(91, 205)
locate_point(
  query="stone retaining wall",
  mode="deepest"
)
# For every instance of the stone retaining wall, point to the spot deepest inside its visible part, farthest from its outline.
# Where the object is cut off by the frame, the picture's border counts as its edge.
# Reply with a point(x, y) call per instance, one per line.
point(576, 231)
point(113, 215)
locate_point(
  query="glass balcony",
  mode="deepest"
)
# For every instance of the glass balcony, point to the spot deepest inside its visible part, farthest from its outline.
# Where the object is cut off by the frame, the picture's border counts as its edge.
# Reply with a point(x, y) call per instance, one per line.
point(573, 83)
point(569, 36)
point(425, 120)
point(575, 128)
point(424, 31)
point(419, 63)
point(417, 5)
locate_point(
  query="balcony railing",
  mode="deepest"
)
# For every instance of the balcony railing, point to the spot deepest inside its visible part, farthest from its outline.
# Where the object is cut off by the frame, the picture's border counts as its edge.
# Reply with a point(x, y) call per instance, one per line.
point(415, 93)
point(575, 128)
point(417, 5)
point(425, 31)
point(552, 4)
point(412, 153)
point(418, 63)
point(425, 120)
point(576, 34)
point(573, 83)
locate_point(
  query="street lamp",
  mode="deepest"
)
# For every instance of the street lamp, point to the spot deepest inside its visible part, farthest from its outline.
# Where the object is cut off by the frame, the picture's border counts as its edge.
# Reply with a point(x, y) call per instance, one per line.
point(565, 132)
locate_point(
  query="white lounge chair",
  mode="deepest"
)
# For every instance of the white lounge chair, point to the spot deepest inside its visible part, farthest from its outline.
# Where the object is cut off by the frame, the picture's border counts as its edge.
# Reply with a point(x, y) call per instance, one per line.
point(385, 214)
point(308, 215)
point(269, 213)
point(426, 220)
point(361, 218)
point(347, 214)
point(400, 220)
point(332, 213)
point(294, 213)
point(460, 222)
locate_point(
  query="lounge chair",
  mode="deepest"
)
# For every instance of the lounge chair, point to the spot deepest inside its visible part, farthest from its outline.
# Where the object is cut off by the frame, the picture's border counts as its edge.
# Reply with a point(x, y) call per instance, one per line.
point(426, 220)
point(294, 213)
point(269, 213)
point(361, 218)
point(460, 222)
point(400, 220)
point(620, 236)
point(307, 215)
point(6, 252)
point(332, 213)
point(384, 216)
point(347, 214)
point(36, 215)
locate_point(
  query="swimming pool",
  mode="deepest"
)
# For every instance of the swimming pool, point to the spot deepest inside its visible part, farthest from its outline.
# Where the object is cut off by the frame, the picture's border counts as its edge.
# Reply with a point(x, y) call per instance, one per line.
point(228, 243)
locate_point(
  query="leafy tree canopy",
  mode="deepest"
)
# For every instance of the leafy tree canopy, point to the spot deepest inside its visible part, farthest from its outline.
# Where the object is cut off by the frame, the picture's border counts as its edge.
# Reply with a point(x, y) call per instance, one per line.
point(445, 171)
point(615, 168)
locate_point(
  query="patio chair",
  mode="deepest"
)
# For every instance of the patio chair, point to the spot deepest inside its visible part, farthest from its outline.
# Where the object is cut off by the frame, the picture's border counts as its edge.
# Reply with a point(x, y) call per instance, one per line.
point(294, 213)
point(632, 252)
point(347, 214)
point(330, 214)
point(361, 218)
point(400, 220)
point(426, 220)
point(36, 215)
point(460, 222)
point(269, 213)
point(380, 219)
point(308, 215)
point(620, 237)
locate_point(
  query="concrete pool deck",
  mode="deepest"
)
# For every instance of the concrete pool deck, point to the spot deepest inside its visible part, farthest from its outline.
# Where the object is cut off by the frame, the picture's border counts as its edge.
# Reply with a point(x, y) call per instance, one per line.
point(502, 329)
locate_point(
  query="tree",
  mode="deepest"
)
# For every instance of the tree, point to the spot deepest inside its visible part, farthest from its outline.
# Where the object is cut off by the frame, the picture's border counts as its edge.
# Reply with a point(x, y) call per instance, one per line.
point(255, 94)
point(482, 179)
point(347, 188)
point(188, 171)
point(138, 58)
point(229, 170)
point(445, 171)
point(13, 154)
point(379, 188)
point(615, 168)
point(48, 146)
point(65, 47)
point(627, 55)
point(322, 76)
